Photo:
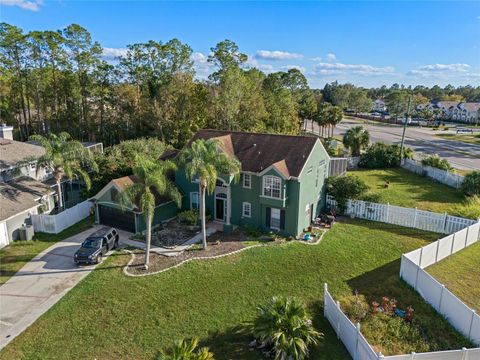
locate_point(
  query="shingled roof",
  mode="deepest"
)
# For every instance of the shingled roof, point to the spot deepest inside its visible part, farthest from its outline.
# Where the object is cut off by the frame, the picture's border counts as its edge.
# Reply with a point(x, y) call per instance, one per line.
point(257, 152)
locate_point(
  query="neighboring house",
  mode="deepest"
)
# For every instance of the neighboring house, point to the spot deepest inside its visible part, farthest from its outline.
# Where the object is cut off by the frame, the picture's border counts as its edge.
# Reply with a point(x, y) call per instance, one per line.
point(446, 108)
point(379, 106)
point(281, 187)
point(109, 212)
point(467, 112)
point(18, 201)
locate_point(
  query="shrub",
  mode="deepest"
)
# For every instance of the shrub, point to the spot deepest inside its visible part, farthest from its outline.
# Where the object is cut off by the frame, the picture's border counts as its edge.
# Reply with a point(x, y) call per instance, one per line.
point(284, 325)
point(471, 183)
point(189, 217)
point(186, 350)
point(347, 187)
point(437, 162)
point(469, 209)
point(355, 306)
point(380, 156)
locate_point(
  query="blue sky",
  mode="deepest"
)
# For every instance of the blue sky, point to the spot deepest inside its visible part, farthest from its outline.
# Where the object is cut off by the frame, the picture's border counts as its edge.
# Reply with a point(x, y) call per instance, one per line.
point(365, 43)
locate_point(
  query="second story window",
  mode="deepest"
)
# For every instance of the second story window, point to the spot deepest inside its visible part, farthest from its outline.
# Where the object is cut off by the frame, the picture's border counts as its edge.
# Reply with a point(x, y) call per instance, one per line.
point(272, 186)
point(247, 181)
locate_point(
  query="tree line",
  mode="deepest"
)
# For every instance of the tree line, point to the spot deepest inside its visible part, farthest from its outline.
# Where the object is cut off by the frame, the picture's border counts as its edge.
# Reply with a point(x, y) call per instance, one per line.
point(54, 81)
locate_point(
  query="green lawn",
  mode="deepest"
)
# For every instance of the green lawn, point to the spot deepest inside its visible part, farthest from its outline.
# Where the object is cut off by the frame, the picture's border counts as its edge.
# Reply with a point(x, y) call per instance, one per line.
point(111, 316)
point(411, 190)
point(468, 138)
point(14, 256)
point(460, 273)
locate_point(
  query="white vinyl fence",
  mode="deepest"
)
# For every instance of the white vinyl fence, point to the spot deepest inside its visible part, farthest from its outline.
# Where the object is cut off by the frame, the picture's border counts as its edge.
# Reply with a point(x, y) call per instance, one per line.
point(337, 166)
point(54, 224)
point(412, 271)
point(442, 176)
point(408, 217)
point(360, 349)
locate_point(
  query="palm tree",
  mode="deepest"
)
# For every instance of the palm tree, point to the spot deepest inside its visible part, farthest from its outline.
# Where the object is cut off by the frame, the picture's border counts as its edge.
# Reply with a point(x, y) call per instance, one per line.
point(285, 324)
point(204, 160)
point(356, 139)
point(335, 116)
point(187, 350)
point(65, 157)
point(150, 177)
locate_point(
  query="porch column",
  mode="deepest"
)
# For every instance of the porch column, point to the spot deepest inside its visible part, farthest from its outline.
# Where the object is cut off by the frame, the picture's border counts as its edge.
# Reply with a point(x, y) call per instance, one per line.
point(229, 206)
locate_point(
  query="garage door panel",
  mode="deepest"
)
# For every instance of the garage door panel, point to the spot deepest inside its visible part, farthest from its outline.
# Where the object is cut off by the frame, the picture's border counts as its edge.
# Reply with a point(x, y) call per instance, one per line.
point(111, 216)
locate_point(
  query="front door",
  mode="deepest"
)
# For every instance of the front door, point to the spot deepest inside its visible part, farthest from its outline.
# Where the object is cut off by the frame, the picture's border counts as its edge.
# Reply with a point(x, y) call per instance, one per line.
point(220, 209)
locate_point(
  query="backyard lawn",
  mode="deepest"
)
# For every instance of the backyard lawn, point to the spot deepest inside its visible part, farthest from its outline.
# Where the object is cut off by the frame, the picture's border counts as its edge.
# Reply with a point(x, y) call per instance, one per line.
point(411, 190)
point(14, 256)
point(111, 316)
point(460, 273)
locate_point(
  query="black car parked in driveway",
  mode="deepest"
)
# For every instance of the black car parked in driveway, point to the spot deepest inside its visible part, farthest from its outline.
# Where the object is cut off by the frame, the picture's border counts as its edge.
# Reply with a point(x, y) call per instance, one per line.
point(96, 246)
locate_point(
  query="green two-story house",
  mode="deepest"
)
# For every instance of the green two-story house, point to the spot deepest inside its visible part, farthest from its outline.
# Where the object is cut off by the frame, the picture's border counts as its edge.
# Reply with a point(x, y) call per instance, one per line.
point(281, 187)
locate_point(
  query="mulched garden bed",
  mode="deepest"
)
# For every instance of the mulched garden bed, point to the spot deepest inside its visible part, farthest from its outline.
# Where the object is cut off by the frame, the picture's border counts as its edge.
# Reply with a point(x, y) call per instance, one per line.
point(218, 244)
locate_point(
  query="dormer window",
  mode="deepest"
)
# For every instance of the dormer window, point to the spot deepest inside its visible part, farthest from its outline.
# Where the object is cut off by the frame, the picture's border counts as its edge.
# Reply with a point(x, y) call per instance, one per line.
point(272, 186)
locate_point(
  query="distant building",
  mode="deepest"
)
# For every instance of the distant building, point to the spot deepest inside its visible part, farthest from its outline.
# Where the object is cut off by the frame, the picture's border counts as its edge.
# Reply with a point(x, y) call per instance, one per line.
point(379, 106)
point(467, 112)
point(446, 107)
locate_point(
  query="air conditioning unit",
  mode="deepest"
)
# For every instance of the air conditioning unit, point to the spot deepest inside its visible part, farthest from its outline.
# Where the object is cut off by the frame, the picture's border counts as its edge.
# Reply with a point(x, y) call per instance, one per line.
point(26, 232)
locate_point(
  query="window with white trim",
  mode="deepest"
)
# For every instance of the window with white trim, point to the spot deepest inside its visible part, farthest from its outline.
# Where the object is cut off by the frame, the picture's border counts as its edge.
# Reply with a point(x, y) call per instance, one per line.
point(272, 186)
point(194, 200)
point(247, 181)
point(247, 209)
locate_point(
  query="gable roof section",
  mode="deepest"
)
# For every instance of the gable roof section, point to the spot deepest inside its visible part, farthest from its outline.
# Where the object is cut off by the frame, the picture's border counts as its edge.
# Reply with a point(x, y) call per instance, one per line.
point(14, 201)
point(123, 183)
point(258, 152)
point(12, 152)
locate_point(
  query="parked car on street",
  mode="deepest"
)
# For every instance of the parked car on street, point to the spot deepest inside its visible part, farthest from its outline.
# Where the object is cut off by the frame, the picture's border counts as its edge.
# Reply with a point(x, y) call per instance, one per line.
point(96, 246)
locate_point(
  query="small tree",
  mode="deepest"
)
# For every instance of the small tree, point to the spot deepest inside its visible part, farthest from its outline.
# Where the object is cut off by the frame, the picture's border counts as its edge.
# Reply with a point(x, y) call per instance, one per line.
point(356, 139)
point(64, 157)
point(204, 160)
point(285, 324)
point(343, 188)
point(151, 176)
point(186, 350)
point(471, 183)
point(381, 156)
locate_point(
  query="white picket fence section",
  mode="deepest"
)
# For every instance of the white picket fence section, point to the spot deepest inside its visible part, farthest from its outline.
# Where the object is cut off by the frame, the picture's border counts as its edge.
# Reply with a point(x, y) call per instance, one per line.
point(337, 166)
point(360, 349)
point(408, 217)
point(442, 176)
point(463, 318)
point(53, 224)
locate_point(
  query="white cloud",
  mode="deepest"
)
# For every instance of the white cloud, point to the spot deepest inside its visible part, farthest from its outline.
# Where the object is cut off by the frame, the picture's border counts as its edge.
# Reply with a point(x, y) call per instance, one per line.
point(440, 70)
point(277, 55)
point(358, 69)
point(331, 57)
point(113, 53)
point(288, 67)
point(203, 68)
point(31, 5)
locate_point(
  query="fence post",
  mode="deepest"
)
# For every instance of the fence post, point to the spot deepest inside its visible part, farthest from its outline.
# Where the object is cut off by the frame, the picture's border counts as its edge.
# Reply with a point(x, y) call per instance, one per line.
point(415, 219)
point(466, 237)
point(478, 235)
point(380, 356)
point(464, 353)
point(440, 301)
point(325, 292)
point(413, 355)
point(445, 223)
point(387, 213)
point(453, 243)
point(471, 324)
point(358, 339)
point(338, 319)
point(418, 268)
point(436, 252)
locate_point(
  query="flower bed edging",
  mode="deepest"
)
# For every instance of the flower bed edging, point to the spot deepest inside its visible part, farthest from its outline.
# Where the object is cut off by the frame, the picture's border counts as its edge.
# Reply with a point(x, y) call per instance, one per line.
point(127, 273)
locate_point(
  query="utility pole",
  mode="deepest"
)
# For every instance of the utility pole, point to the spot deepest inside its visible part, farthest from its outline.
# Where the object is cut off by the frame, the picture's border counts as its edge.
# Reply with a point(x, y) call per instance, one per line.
point(404, 129)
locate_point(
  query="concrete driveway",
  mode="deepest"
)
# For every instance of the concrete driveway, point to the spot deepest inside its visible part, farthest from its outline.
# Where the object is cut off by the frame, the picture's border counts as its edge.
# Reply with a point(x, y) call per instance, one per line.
point(40, 284)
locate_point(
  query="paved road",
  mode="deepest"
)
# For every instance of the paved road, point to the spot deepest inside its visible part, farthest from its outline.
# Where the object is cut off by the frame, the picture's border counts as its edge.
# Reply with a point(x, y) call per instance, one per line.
point(40, 284)
point(422, 140)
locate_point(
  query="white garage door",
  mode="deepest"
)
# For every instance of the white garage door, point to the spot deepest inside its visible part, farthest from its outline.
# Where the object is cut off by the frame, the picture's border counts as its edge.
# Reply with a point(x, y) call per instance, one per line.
point(3, 235)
